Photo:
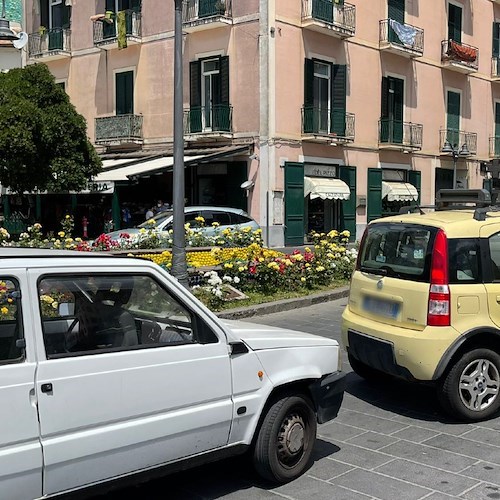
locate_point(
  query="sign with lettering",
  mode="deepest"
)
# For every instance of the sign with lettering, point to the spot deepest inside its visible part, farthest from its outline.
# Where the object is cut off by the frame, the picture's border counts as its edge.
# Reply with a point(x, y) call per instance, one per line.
point(102, 187)
point(320, 171)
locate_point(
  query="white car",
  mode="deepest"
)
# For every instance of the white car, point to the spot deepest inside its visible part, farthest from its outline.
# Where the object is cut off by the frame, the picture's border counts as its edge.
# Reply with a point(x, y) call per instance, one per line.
point(109, 368)
point(162, 222)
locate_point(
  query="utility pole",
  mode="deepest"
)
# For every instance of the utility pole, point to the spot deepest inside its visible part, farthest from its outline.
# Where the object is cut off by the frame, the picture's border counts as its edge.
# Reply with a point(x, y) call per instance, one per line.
point(179, 266)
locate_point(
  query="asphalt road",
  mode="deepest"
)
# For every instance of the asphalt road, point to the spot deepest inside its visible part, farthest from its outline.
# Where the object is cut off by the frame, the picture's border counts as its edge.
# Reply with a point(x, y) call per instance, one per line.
point(389, 442)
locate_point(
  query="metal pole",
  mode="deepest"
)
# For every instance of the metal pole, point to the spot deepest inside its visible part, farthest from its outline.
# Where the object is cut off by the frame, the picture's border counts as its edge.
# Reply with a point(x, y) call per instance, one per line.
point(179, 266)
point(454, 169)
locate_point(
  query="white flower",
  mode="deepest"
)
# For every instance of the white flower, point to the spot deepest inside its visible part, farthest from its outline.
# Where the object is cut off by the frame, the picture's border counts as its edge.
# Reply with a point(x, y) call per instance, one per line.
point(236, 279)
point(217, 292)
point(228, 279)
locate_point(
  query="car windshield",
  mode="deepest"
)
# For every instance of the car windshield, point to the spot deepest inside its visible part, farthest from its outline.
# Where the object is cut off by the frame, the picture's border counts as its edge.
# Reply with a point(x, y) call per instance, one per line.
point(158, 219)
point(398, 250)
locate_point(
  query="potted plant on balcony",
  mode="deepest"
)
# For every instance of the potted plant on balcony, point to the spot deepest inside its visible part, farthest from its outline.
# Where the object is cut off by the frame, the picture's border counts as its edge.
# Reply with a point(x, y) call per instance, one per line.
point(42, 30)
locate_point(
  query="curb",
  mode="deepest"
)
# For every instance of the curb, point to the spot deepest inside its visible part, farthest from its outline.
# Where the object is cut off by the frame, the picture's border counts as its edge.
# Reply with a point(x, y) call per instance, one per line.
point(284, 305)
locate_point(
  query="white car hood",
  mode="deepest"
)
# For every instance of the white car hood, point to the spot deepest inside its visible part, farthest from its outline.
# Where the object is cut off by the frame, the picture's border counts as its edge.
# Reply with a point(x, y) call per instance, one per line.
point(259, 337)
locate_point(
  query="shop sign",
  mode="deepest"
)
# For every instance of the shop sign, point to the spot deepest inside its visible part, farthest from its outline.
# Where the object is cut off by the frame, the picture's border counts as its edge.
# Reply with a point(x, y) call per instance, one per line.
point(320, 171)
point(103, 187)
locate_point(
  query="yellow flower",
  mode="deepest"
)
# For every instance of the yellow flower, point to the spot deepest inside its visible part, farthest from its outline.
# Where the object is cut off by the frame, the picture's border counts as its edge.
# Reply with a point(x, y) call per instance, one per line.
point(200, 218)
point(302, 279)
point(4, 310)
point(61, 234)
point(215, 224)
point(68, 217)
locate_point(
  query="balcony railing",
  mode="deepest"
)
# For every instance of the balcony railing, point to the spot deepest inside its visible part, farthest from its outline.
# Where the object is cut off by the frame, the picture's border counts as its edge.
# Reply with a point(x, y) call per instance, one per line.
point(335, 125)
point(119, 129)
point(203, 12)
point(206, 119)
point(107, 32)
point(459, 56)
point(339, 18)
point(495, 147)
point(402, 37)
point(399, 134)
point(459, 138)
point(50, 43)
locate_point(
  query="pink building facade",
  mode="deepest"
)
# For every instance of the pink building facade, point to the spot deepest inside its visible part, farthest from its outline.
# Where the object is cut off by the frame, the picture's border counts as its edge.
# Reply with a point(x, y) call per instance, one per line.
point(337, 113)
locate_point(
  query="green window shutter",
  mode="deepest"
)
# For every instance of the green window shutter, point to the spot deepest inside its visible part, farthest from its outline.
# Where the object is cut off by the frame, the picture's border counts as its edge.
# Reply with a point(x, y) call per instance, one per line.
point(454, 23)
point(348, 207)
point(374, 196)
point(398, 101)
point(44, 13)
point(496, 40)
point(308, 118)
point(384, 112)
point(396, 10)
point(110, 5)
point(415, 178)
point(195, 124)
point(66, 16)
point(497, 129)
point(294, 203)
point(453, 117)
point(224, 80)
point(125, 93)
point(338, 106)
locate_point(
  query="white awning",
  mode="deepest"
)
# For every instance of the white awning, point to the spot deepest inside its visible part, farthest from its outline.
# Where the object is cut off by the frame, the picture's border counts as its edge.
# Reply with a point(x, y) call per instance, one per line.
point(399, 191)
point(326, 188)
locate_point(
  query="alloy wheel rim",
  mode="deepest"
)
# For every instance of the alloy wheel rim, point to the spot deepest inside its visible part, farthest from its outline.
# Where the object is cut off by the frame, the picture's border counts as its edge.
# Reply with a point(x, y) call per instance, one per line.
point(479, 385)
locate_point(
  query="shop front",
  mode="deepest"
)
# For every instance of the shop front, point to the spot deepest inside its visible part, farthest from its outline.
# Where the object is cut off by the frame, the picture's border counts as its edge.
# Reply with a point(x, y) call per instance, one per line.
point(318, 198)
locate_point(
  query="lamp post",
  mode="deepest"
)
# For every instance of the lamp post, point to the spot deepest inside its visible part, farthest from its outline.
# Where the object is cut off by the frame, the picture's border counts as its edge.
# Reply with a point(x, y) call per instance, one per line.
point(179, 266)
point(456, 153)
point(5, 32)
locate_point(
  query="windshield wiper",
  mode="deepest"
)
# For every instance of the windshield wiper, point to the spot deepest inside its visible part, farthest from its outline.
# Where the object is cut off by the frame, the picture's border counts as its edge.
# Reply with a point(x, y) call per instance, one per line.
point(373, 270)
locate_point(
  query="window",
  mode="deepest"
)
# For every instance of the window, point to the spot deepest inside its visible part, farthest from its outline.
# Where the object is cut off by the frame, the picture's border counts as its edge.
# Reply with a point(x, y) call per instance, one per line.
point(453, 118)
point(124, 82)
point(54, 14)
point(497, 129)
point(209, 94)
point(240, 219)
point(464, 261)
point(391, 118)
point(454, 23)
point(496, 40)
point(221, 217)
point(396, 12)
point(11, 331)
point(324, 98)
point(494, 242)
point(102, 313)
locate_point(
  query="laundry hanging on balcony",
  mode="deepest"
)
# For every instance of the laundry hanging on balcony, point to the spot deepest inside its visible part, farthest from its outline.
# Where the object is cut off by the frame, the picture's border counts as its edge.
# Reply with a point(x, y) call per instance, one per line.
point(405, 33)
point(461, 52)
point(121, 22)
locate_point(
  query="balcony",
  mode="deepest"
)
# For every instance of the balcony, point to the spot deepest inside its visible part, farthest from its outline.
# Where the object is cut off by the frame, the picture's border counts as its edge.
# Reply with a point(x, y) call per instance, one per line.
point(402, 39)
point(495, 147)
point(50, 45)
point(208, 122)
point(399, 136)
point(495, 68)
point(458, 138)
point(459, 56)
point(199, 15)
point(106, 32)
point(118, 130)
point(329, 18)
point(331, 126)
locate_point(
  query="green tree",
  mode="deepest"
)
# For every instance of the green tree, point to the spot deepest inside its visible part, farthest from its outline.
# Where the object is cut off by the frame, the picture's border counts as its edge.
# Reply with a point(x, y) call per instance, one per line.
point(43, 139)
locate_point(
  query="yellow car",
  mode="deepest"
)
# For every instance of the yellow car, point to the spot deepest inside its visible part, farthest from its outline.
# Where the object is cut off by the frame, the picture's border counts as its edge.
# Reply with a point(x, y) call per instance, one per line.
point(424, 302)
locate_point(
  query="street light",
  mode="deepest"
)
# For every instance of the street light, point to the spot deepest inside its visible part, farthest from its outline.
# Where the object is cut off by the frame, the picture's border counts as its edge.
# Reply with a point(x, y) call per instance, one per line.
point(456, 153)
point(5, 32)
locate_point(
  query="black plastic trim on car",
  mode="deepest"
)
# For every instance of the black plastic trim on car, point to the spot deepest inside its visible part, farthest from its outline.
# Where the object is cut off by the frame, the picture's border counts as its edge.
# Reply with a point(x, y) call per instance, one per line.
point(377, 354)
point(327, 394)
point(450, 352)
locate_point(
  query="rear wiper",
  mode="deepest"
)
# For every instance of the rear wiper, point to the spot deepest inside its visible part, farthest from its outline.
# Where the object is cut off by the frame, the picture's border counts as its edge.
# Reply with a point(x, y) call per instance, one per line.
point(373, 270)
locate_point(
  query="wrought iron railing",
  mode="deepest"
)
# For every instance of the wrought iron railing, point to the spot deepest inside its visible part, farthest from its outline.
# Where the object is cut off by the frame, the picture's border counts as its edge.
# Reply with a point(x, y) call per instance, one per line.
point(334, 123)
point(120, 128)
point(461, 53)
point(49, 41)
point(194, 10)
point(405, 36)
point(495, 147)
point(342, 16)
point(107, 30)
point(459, 138)
point(202, 119)
point(396, 132)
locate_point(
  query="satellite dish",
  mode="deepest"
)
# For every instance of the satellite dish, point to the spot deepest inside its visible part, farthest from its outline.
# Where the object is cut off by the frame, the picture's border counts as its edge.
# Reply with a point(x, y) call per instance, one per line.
point(21, 41)
point(247, 185)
